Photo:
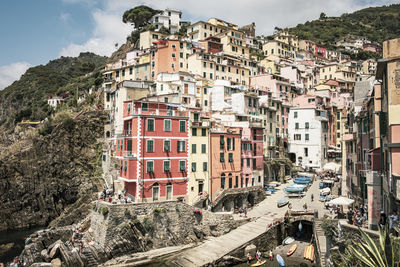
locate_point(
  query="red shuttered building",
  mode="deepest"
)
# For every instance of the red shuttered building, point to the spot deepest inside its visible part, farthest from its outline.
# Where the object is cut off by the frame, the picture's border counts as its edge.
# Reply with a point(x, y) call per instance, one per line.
point(153, 151)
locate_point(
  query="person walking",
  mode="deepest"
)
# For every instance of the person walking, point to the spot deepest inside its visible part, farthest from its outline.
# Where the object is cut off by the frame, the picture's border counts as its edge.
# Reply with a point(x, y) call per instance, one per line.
point(312, 197)
point(271, 256)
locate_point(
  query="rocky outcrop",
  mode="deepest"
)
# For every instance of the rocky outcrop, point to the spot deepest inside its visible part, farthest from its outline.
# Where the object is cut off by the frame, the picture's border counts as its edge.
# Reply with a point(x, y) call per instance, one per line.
point(117, 230)
point(43, 177)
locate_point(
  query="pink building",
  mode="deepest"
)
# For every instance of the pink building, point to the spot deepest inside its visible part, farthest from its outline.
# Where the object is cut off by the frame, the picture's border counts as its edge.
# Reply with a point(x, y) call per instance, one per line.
point(320, 51)
point(252, 156)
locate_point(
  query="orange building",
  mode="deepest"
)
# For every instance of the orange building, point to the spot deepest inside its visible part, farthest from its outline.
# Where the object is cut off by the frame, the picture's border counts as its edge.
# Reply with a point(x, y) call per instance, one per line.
point(225, 158)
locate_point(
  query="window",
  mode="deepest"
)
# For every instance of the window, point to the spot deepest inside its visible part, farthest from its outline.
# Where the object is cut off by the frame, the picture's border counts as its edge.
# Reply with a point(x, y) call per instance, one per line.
point(167, 166)
point(194, 131)
point(297, 125)
point(203, 148)
point(181, 146)
point(204, 166)
point(205, 103)
point(150, 146)
point(150, 125)
point(306, 151)
point(193, 166)
point(196, 117)
point(167, 125)
point(167, 146)
point(221, 142)
point(295, 114)
point(222, 157)
point(254, 164)
point(182, 126)
point(307, 138)
point(338, 125)
point(230, 157)
point(194, 148)
point(150, 166)
point(307, 125)
point(222, 181)
point(248, 163)
point(297, 137)
point(182, 165)
point(145, 107)
point(203, 132)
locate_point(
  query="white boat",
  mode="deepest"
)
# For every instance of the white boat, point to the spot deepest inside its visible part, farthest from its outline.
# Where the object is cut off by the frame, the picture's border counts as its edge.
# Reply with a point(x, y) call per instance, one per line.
point(283, 201)
point(325, 191)
point(288, 240)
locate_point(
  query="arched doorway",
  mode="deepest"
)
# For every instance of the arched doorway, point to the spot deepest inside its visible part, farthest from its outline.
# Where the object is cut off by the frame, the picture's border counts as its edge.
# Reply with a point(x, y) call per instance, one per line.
point(168, 194)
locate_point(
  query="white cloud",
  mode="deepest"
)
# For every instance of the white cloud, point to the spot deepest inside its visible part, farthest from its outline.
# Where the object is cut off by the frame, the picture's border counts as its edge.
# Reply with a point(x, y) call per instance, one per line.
point(109, 28)
point(65, 17)
point(12, 72)
point(108, 31)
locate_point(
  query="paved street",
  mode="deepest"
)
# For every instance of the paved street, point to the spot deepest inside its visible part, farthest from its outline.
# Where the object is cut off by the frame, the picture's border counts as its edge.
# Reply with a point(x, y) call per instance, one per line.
point(264, 213)
point(269, 205)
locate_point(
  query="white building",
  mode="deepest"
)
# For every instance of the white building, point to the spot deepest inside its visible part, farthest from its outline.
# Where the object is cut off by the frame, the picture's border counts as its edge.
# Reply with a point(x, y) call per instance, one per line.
point(170, 19)
point(55, 101)
point(308, 137)
point(221, 95)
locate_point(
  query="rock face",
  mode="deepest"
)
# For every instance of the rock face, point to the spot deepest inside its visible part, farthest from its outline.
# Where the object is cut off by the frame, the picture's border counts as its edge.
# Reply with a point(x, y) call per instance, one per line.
point(117, 230)
point(43, 177)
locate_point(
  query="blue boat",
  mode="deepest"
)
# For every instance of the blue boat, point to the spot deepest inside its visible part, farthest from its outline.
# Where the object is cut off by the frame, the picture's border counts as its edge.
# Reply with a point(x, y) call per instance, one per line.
point(295, 188)
point(280, 260)
point(301, 181)
point(304, 178)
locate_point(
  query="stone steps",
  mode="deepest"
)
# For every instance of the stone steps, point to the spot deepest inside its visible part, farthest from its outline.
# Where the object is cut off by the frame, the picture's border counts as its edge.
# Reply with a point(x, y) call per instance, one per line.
point(91, 260)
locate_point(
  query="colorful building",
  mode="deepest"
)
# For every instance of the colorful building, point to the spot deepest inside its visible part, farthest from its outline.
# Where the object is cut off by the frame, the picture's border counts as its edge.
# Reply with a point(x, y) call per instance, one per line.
point(153, 151)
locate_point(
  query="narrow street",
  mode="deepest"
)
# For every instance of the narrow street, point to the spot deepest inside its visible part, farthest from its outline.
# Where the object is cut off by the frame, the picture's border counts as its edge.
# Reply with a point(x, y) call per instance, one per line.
point(269, 204)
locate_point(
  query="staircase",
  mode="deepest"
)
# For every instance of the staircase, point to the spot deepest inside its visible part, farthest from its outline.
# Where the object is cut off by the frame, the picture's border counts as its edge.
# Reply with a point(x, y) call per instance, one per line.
point(320, 240)
point(90, 259)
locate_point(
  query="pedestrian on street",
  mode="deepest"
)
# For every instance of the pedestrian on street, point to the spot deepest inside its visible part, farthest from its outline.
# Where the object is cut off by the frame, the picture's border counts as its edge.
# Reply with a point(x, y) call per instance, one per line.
point(245, 212)
point(271, 256)
point(312, 197)
point(382, 220)
point(249, 258)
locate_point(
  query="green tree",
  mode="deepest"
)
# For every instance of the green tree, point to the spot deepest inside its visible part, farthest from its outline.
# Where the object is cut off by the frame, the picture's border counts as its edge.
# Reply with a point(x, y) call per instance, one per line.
point(322, 16)
point(139, 16)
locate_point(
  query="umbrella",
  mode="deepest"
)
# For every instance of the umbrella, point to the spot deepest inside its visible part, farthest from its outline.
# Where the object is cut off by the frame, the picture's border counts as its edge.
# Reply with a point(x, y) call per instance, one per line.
point(342, 201)
point(332, 166)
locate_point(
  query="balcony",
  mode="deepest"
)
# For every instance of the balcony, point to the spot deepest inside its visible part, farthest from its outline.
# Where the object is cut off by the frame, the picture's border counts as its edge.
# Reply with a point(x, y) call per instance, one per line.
point(200, 123)
point(156, 112)
point(130, 155)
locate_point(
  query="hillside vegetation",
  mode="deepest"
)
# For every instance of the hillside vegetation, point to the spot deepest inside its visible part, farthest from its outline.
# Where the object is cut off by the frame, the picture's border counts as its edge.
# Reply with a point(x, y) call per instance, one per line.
point(26, 99)
point(375, 23)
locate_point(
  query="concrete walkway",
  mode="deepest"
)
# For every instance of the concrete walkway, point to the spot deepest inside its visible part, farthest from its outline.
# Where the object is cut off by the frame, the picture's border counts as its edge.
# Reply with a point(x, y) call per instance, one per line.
point(264, 213)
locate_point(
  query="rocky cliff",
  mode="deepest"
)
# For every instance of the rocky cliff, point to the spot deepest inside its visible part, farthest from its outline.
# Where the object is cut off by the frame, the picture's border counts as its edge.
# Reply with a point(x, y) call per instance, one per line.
point(125, 229)
point(57, 172)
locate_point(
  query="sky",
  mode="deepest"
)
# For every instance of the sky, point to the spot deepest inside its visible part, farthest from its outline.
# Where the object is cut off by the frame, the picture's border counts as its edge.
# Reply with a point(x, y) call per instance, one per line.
point(34, 32)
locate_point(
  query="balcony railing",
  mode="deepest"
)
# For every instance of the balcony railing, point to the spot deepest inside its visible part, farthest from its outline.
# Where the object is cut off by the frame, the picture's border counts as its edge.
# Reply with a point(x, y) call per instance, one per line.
point(130, 155)
point(157, 112)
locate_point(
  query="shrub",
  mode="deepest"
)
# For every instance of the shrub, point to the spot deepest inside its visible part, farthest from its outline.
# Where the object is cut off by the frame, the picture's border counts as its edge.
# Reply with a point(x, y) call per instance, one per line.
point(68, 124)
point(135, 221)
point(148, 224)
point(156, 211)
point(127, 213)
point(46, 129)
point(104, 211)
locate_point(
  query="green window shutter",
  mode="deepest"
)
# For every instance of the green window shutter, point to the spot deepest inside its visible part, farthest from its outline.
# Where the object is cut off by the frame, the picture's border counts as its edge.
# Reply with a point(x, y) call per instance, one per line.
point(194, 148)
point(182, 166)
point(221, 157)
point(233, 143)
point(204, 166)
point(383, 123)
point(193, 166)
point(230, 155)
point(203, 149)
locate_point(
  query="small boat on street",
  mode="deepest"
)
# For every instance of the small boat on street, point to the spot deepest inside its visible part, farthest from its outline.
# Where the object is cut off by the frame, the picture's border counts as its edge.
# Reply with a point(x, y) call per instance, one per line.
point(280, 260)
point(282, 202)
point(288, 240)
point(259, 263)
point(292, 250)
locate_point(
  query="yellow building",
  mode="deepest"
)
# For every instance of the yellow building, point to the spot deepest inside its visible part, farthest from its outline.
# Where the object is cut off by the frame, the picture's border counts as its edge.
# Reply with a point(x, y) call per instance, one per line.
point(285, 37)
point(223, 67)
point(147, 39)
point(199, 159)
point(270, 66)
point(234, 43)
point(369, 66)
point(201, 29)
point(279, 49)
